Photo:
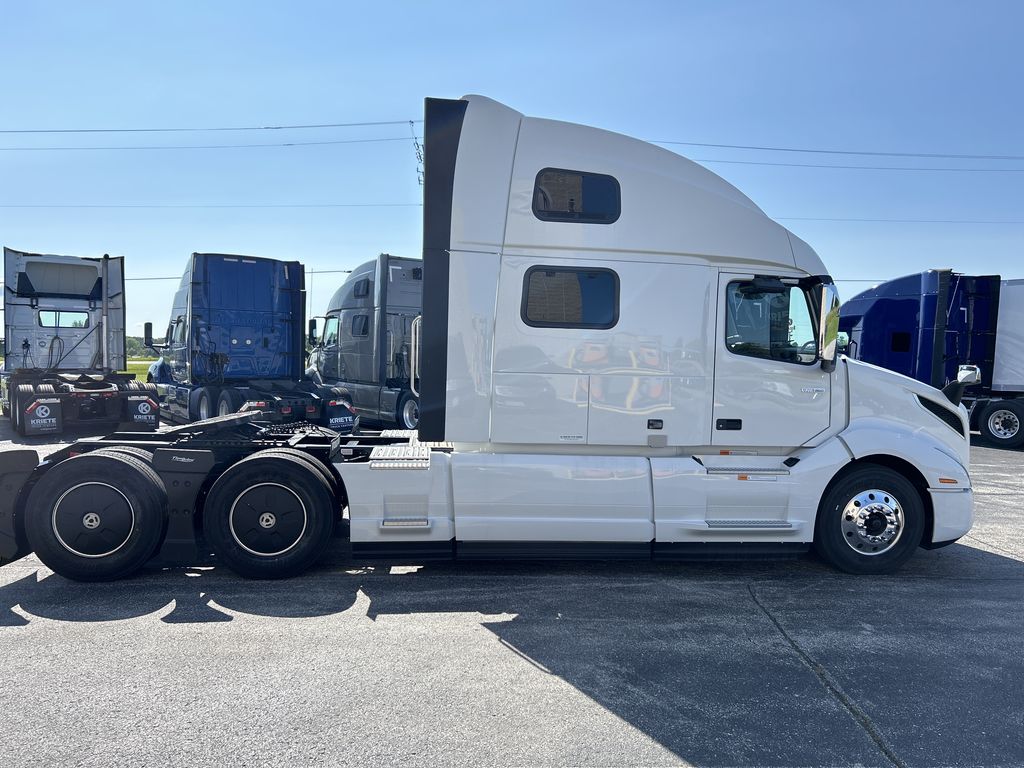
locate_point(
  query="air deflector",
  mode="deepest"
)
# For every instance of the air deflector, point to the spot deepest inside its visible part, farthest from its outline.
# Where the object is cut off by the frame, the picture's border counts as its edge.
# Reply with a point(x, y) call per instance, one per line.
point(442, 127)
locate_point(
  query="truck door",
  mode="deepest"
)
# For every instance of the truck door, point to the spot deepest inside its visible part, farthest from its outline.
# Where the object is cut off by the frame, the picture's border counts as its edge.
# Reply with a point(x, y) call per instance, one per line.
point(770, 389)
point(330, 350)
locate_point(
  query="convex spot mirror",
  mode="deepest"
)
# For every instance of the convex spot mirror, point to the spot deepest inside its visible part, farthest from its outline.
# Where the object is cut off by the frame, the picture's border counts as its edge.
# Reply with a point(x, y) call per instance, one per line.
point(828, 326)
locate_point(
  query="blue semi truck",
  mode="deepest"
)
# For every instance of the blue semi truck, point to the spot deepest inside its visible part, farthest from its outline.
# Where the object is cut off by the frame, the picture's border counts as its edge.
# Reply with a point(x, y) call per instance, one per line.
point(928, 324)
point(236, 340)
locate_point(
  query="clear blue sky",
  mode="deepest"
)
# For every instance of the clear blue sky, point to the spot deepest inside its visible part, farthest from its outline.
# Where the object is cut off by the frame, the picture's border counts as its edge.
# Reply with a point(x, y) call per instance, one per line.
point(942, 77)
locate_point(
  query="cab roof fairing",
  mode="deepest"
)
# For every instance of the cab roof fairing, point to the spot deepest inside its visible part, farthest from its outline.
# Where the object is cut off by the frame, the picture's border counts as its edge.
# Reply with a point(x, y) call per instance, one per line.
point(670, 205)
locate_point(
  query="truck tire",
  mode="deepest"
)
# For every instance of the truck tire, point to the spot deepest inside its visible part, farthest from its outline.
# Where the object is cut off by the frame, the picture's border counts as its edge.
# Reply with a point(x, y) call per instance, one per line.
point(86, 528)
point(206, 403)
point(269, 516)
point(870, 521)
point(24, 393)
point(408, 413)
point(1001, 423)
point(130, 450)
point(312, 462)
point(229, 401)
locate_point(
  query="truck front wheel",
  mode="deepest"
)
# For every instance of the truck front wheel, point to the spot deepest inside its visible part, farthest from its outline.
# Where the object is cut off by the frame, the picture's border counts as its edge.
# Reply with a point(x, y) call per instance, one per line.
point(270, 516)
point(1001, 423)
point(870, 521)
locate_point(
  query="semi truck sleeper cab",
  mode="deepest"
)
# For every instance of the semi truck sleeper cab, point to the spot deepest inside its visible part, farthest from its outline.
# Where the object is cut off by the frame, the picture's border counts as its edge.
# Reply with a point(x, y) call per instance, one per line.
point(620, 355)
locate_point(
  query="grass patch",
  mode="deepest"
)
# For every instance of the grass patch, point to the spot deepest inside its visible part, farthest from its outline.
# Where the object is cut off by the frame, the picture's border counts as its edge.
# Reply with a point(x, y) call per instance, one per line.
point(140, 368)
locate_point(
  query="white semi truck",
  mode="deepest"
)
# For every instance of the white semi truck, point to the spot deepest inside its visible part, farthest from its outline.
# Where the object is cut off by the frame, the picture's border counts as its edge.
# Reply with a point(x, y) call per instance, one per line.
point(620, 355)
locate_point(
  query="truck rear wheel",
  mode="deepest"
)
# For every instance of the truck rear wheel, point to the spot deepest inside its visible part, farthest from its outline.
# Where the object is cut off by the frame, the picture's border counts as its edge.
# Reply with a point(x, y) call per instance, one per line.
point(270, 516)
point(408, 416)
point(1001, 423)
point(870, 521)
point(206, 403)
point(230, 401)
point(97, 517)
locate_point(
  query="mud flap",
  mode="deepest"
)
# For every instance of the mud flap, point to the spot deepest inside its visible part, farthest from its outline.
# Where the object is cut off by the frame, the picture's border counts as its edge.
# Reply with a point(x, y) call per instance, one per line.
point(142, 412)
point(44, 416)
point(16, 468)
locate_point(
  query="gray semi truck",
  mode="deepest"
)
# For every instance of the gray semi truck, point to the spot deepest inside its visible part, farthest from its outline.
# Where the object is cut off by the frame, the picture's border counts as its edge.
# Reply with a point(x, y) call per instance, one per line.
point(64, 346)
point(364, 344)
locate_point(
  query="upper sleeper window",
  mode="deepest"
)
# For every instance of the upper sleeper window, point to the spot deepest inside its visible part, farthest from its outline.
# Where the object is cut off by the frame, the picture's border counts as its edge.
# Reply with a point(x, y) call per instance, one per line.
point(560, 297)
point(587, 198)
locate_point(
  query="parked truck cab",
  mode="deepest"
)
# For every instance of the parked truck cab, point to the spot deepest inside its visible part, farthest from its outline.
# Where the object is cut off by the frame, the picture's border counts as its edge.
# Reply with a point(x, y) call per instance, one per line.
point(236, 336)
point(364, 344)
point(64, 349)
point(930, 324)
point(622, 356)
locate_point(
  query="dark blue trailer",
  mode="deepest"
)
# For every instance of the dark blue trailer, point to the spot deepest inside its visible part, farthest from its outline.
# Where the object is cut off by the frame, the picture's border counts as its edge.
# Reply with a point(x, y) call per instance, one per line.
point(928, 324)
point(236, 338)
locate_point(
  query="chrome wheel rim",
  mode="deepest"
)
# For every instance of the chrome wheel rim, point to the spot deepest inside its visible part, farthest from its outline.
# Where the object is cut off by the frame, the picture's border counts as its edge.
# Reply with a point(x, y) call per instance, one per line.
point(93, 520)
point(267, 519)
point(872, 522)
point(204, 408)
point(1004, 424)
point(223, 409)
point(410, 414)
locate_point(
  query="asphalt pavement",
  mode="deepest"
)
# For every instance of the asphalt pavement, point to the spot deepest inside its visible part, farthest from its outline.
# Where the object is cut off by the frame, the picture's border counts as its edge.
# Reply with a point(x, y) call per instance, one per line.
point(784, 663)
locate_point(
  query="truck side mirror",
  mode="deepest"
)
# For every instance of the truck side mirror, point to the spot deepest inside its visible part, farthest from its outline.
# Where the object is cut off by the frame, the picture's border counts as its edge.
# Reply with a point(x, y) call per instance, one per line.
point(147, 334)
point(312, 332)
point(828, 326)
point(968, 374)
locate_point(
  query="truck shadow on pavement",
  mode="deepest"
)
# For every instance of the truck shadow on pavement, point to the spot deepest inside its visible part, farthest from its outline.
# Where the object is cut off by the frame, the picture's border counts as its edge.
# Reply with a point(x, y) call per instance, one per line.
point(783, 663)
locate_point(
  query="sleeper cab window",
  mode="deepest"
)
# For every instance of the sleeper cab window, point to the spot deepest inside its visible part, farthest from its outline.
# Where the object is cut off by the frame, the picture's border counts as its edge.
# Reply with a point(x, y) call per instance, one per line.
point(770, 320)
point(585, 198)
point(570, 297)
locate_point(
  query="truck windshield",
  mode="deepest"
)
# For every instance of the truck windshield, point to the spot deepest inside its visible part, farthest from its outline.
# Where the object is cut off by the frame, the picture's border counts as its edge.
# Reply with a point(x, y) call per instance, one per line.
point(773, 326)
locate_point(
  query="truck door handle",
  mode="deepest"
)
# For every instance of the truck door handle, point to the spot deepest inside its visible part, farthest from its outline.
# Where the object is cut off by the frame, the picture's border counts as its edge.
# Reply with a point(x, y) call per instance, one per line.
point(727, 424)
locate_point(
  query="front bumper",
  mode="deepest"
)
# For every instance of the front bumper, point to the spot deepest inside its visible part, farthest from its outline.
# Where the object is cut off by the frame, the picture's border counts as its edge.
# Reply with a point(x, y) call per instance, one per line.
point(953, 513)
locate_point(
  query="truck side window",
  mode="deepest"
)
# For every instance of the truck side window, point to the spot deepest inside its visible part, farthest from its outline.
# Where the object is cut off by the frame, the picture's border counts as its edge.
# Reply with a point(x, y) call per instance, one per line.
point(562, 297)
point(773, 326)
point(588, 198)
point(331, 331)
point(360, 325)
point(361, 289)
point(179, 330)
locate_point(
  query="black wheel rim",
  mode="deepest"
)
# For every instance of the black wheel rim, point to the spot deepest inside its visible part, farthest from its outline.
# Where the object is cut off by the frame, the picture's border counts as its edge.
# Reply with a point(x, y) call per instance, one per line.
point(93, 520)
point(267, 519)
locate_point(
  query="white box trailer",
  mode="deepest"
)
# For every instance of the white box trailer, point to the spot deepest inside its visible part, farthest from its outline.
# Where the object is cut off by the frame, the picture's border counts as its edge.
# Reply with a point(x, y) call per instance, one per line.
point(621, 356)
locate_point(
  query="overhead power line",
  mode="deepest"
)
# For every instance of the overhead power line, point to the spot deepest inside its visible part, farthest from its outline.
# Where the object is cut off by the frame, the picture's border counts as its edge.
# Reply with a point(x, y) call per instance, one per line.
point(214, 205)
point(866, 153)
point(214, 128)
point(204, 146)
point(863, 167)
point(188, 206)
point(901, 221)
